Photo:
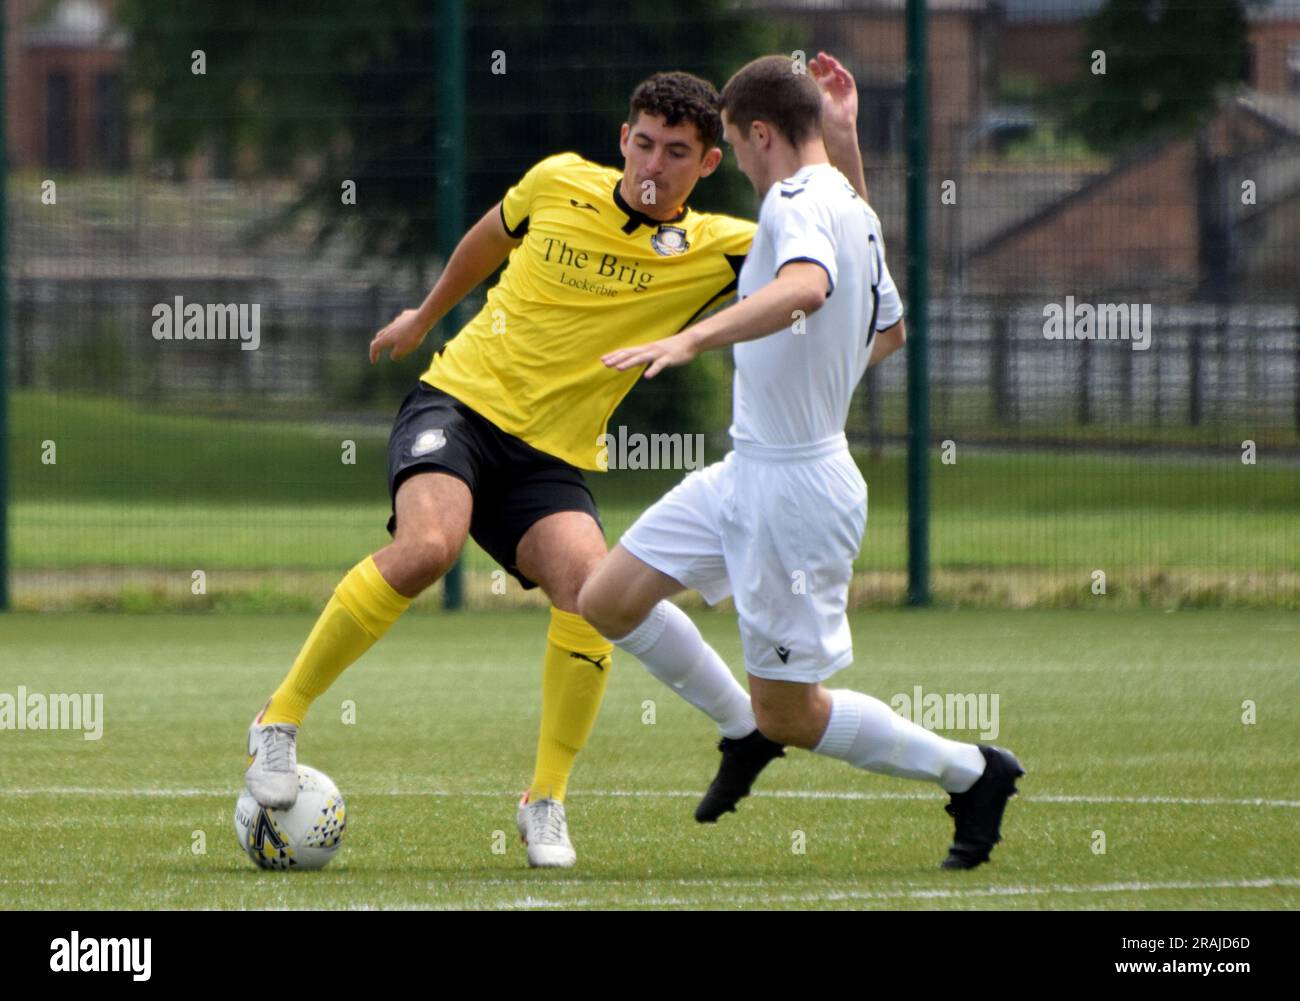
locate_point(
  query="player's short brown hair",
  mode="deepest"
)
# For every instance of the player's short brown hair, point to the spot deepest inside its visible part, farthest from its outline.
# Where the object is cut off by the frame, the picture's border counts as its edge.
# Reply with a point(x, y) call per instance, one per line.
point(680, 97)
point(771, 89)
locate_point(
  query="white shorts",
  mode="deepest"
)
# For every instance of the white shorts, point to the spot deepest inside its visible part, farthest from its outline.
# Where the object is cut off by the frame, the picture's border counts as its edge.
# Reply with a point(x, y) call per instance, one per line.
point(779, 531)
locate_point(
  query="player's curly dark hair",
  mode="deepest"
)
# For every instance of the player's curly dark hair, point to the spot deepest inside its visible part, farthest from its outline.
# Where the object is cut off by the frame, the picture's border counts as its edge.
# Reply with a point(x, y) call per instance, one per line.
point(680, 97)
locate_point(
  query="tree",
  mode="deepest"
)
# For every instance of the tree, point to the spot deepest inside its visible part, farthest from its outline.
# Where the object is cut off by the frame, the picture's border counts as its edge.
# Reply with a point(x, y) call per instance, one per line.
point(351, 91)
point(1166, 63)
point(354, 89)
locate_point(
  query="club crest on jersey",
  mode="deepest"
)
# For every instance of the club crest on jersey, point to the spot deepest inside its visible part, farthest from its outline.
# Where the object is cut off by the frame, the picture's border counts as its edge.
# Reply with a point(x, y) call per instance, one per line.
point(669, 241)
point(428, 441)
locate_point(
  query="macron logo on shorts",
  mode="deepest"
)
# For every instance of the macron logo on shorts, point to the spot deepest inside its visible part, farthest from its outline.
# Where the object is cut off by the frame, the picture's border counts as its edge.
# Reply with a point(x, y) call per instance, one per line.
point(784, 653)
point(428, 441)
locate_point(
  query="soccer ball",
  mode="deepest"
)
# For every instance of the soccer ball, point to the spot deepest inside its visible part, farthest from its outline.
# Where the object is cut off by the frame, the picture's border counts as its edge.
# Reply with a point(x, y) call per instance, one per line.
point(305, 836)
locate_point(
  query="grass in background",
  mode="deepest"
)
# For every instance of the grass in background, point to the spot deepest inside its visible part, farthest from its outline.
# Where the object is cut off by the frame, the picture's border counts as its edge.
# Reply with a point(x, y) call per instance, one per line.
point(133, 488)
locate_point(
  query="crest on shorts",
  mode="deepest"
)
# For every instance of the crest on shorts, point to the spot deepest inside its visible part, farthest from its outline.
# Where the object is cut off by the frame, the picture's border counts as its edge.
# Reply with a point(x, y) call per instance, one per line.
point(428, 441)
point(669, 241)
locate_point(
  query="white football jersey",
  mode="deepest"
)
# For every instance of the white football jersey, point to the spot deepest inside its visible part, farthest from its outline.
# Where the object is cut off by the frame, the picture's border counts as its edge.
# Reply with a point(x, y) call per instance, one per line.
point(794, 386)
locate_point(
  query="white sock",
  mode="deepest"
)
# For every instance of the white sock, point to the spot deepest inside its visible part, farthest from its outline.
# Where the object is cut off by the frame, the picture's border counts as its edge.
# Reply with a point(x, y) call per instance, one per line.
point(670, 646)
point(867, 734)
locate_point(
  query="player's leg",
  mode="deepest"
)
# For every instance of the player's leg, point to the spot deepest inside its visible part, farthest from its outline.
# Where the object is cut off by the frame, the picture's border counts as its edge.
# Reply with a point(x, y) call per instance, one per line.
point(621, 591)
point(432, 463)
point(433, 512)
point(861, 730)
point(792, 599)
point(866, 733)
point(433, 515)
point(796, 642)
point(559, 552)
point(676, 544)
point(626, 600)
point(556, 552)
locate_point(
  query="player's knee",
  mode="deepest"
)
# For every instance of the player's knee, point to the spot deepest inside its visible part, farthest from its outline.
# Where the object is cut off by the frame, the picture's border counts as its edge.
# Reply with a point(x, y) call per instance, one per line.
point(591, 606)
point(564, 593)
point(428, 554)
point(594, 606)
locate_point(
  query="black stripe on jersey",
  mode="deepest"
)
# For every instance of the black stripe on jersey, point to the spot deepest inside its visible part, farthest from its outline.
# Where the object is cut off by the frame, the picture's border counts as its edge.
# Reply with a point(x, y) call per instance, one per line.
point(519, 230)
point(635, 217)
point(812, 260)
point(736, 261)
point(875, 288)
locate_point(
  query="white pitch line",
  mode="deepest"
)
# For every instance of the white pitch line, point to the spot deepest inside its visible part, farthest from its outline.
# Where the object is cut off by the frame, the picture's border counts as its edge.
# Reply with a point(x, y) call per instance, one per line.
point(528, 903)
point(1161, 800)
point(1291, 804)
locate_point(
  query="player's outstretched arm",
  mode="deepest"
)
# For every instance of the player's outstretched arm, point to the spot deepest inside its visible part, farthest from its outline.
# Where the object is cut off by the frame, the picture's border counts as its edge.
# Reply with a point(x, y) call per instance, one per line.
point(840, 118)
point(479, 253)
point(798, 291)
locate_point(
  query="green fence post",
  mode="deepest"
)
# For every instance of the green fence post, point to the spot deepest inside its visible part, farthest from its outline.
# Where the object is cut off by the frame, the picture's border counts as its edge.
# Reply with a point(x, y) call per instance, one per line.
point(4, 332)
point(451, 189)
point(918, 254)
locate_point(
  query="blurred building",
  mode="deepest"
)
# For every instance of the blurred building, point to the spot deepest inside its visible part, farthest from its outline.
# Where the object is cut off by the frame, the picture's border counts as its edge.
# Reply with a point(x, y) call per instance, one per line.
point(66, 97)
point(1168, 216)
point(1215, 217)
point(1044, 42)
point(1034, 221)
point(1186, 218)
point(869, 36)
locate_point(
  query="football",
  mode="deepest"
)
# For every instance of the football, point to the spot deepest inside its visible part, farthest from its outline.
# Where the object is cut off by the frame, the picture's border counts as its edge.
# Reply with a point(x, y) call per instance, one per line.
point(305, 836)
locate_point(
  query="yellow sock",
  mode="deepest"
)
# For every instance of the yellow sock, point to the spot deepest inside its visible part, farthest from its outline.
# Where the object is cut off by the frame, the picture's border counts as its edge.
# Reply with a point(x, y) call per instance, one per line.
point(575, 672)
point(364, 605)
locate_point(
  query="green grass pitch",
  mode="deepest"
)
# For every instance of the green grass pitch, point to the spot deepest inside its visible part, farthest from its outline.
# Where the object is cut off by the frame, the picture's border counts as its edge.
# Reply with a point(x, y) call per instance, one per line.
point(135, 488)
point(1130, 724)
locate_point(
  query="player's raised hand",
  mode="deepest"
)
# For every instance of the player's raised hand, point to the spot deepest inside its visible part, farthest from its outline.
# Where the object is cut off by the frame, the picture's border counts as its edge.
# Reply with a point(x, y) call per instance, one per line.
point(839, 93)
point(403, 335)
point(658, 355)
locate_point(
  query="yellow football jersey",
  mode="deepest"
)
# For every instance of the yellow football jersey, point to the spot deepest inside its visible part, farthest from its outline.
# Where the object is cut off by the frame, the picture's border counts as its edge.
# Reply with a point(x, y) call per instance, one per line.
point(593, 274)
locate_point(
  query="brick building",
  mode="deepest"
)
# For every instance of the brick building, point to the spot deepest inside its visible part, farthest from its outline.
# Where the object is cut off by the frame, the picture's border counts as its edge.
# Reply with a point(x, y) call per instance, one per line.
point(66, 101)
point(870, 37)
point(1048, 45)
point(1217, 215)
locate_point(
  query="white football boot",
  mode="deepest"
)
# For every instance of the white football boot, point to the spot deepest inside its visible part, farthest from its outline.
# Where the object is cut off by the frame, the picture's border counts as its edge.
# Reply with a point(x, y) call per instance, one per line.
point(546, 833)
point(272, 775)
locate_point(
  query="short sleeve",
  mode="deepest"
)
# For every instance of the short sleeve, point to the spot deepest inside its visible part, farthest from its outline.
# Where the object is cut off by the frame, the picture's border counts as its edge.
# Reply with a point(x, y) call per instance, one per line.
point(801, 231)
point(891, 306)
point(732, 236)
point(517, 205)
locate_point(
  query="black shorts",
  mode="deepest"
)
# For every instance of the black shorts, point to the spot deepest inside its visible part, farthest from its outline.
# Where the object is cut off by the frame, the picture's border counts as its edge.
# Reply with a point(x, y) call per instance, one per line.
point(513, 484)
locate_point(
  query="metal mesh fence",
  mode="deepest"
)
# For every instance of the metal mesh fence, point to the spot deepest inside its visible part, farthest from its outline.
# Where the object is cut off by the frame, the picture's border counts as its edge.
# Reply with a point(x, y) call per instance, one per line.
point(1155, 446)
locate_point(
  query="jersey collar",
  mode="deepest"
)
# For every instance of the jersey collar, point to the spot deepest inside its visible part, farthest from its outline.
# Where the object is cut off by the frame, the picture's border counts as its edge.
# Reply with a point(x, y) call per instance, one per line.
point(635, 217)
